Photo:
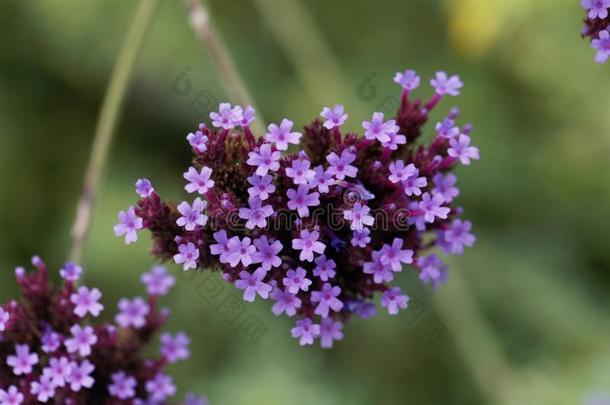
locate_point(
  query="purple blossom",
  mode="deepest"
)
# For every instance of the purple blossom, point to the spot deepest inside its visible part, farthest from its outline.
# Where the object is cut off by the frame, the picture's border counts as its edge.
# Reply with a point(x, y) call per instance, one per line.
point(256, 215)
point(409, 80)
point(70, 272)
point(191, 399)
point(340, 167)
point(327, 300)
point(174, 348)
point(444, 185)
point(456, 237)
point(413, 184)
point(132, 313)
point(306, 331)
point(395, 140)
point(602, 45)
point(299, 172)
point(432, 207)
point(50, 341)
point(129, 224)
point(253, 284)
point(447, 129)
point(301, 199)
point(460, 148)
point(361, 238)
point(157, 281)
point(325, 268)
point(240, 250)
point(226, 116)
point(80, 375)
point(261, 186)
point(321, 180)
point(11, 396)
point(23, 361)
point(377, 128)
point(382, 273)
point(86, 301)
point(43, 389)
point(123, 386)
point(597, 8)
point(359, 216)
point(247, 116)
point(4, 318)
point(221, 247)
point(267, 253)
point(285, 302)
point(399, 172)
point(394, 255)
point(200, 182)
point(308, 244)
point(335, 117)
point(198, 141)
point(296, 280)
point(81, 341)
point(281, 135)
point(192, 216)
point(330, 330)
point(393, 299)
point(187, 256)
point(433, 270)
point(265, 159)
point(160, 387)
point(58, 371)
point(144, 188)
point(446, 85)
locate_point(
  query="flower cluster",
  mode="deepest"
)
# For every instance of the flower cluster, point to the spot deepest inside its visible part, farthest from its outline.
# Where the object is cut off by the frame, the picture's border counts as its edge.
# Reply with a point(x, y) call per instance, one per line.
point(52, 352)
point(321, 230)
point(597, 27)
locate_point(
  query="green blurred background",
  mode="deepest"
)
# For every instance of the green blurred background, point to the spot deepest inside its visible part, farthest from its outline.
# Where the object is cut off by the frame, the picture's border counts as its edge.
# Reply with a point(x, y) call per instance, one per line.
point(524, 318)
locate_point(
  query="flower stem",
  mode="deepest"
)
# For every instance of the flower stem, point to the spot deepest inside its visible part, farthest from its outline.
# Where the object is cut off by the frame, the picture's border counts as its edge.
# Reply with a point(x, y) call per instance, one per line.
point(199, 19)
point(107, 120)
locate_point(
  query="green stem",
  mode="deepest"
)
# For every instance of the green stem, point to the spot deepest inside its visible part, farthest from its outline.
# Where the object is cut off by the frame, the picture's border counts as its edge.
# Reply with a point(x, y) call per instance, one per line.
point(106, 124)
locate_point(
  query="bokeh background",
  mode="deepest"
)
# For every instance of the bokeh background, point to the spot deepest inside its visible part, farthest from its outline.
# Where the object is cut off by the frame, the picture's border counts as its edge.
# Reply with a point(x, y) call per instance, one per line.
point(525, 316)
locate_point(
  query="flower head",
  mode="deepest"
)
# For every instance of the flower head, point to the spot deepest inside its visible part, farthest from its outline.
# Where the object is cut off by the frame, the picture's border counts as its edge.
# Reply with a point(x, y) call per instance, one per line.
point(226, 117)
point(132, 313)
point(157, 281)
point(394, 300)
point(123, 386)
point(340, 166)
point(460, 148)
point(129, 224)
point(187, 256)
point(308, 244)
point(192, 216)
point(198, 181)
point(86, 301)
point(335, 117)
point(330, 330)
point(409, 80)
point(596, 8)
point(281, 135)
point(144, 188)
point(602, 45)
point(175, 348)
point(11, 396)
point(160, 387)
point(81, 340)
point(446, 85)
point(306, 331)
point(23, 360)
point(253, 284)
point(70, 271)
point(301, 199)
point(265, 159)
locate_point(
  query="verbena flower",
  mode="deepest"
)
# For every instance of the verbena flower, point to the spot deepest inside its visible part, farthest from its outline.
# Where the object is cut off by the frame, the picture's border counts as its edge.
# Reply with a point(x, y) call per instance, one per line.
point(597, 27)
point(320, 221)
point(53, 351)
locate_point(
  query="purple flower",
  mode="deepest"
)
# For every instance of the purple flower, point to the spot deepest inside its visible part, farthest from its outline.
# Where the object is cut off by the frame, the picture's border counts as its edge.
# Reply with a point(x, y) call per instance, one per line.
point(240, 250)
point(175, 348)
point(327, 300)
point(285, 302)
point(306, 331)
point(86, 301)
point(253, 284)
point(192, 216)
point(377, 128)
point(226, 116)
point(43, 389)
point(257, 214)
point(128, 224)
point(300, 173)
point(50, 341)
point(301, 199)
point(330, 330)
point(602, 45)
point(11, 396)
point(459, 148)
point(359, 217)
point(191, 399)
point(325, 268)
point(123, 386)
point(382, 273)
point(308, 244)
point(81, 341)
point(267, 253)
point(335, 117)
point(361, 238)
point(446, 85)
point(157, 281)
point(433, 270)
point(198, 141)
point(321, 180)
point(80, 375)
point(144, 188)
point(296, 280)
point(132, 313)
point(409, 80)
point(199, 182)
point(340, 167)
point(160, 387)
point(261, 186)
point(4, 318)
point(281, 135)
point(456, 237)
point(395, 140)
point(413, 184)
point(70, 272)
point(399, 172)
point(597, 8)
point(23, 361)
point(188, 255)
point(447, 129)
point(221, 247)
point(394, 255)
point(265, 159)
point(58, 371)
point(444, 185)
point(393, 299)
point(247, 116)
point(432, 207)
